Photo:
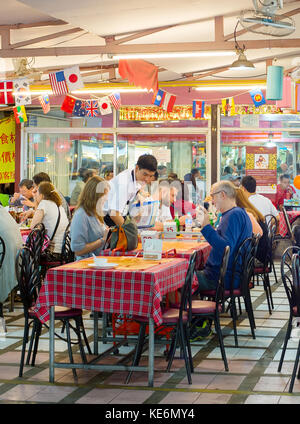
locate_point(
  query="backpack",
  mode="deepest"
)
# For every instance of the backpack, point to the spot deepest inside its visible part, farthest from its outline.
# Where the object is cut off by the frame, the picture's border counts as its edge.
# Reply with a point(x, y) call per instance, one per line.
point(263, 249)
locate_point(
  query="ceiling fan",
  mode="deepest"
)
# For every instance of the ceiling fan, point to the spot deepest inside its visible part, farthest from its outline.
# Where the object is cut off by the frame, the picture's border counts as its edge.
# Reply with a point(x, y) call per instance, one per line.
point(263, 20)
point(23, 68)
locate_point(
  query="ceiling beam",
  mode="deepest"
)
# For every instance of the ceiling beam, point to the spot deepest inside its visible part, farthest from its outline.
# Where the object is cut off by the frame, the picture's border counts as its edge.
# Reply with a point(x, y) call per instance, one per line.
point(140, 34)
point(219, 28)
point(45, 38)
point(34, 24)
point(149, 48)
point(244, 31)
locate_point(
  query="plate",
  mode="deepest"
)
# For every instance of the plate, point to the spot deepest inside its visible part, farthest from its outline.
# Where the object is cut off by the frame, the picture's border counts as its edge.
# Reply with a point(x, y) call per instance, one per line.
point(104, 266)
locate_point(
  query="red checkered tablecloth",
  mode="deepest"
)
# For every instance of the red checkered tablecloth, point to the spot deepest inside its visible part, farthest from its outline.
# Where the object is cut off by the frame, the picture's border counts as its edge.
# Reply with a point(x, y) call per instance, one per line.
point(293, 215)
point(24, 233)
point(112, 290)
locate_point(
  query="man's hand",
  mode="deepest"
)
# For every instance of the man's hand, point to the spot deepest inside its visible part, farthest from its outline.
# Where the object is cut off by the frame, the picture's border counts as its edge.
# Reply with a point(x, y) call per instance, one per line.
point(205, 216)
point(15, 197)
point(28, 203)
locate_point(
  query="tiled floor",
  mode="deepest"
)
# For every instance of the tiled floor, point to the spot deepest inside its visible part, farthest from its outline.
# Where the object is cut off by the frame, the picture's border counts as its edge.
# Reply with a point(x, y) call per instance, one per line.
point(252, 376)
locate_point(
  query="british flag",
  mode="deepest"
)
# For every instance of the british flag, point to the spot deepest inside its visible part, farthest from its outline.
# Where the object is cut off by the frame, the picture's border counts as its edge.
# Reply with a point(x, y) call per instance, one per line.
point(92, 108)
point(115, 98)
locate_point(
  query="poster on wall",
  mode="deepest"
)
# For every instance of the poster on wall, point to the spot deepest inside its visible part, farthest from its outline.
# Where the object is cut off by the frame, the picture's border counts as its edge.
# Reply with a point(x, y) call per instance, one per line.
point(261, 163)
point(7, 150)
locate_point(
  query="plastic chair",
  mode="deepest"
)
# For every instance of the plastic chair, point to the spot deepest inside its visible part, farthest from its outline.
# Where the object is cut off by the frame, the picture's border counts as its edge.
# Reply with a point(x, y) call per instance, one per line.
point(262, 270)
point(289, 285)
point(212, 309)
point(179, 319)
point(29, 282)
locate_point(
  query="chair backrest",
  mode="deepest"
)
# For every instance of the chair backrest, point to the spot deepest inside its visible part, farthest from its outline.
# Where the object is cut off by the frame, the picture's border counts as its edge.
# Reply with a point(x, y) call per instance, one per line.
point(66, 251)
point(272, 226)
point(35, 241)
point(186, 291)
point(287, 222)
point(296, 278)
point(287, 275)
point(243, 264)
point(28, 277)
point(221, 286)
point(2, 251)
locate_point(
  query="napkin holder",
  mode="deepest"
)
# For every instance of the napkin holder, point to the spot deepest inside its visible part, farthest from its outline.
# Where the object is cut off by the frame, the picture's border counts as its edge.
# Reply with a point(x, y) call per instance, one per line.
point(152, 249)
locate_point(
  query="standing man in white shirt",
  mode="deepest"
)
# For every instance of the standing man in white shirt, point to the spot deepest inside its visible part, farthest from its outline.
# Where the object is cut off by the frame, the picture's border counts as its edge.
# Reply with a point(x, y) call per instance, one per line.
point(125, 186)
point(262, 203)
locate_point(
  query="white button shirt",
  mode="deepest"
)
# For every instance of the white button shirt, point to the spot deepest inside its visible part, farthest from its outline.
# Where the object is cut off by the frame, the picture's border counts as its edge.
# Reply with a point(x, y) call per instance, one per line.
point(123, 188)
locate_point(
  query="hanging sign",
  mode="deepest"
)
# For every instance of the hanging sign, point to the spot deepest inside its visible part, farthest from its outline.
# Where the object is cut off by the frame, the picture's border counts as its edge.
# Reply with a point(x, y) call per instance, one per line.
point(154, 113)
point(261, 163)
point(7, 150)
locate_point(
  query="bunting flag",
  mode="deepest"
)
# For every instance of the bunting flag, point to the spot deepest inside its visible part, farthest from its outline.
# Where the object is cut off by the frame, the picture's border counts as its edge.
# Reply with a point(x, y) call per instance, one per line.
point(45, 103)
point(257, 97)
point(164, 100)
point(68, 104)
point(20, 114)
point(6, 92)
point(115, 98)
point(79, 108)
point(140, 73)
point(92, 108)
point(198, 108)
point(58, 83)
point(22, 92)
point(105, 106)
point(228, 107)
point(73, 78)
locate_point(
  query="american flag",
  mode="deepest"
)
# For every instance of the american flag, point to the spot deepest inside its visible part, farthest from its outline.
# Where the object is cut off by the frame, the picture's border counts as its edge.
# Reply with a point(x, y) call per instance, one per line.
point(58, 83)
point(45, 103)
point(115, 98)
point(92, 108)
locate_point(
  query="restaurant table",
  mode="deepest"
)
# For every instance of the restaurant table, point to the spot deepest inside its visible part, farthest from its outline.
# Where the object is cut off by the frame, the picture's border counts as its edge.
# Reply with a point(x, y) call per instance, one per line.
point(136, 287)
point(293, 215)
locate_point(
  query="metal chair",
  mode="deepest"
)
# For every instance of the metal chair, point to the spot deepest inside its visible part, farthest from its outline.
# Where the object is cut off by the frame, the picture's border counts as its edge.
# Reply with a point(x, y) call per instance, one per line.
point(29, 283)
point(2, 256)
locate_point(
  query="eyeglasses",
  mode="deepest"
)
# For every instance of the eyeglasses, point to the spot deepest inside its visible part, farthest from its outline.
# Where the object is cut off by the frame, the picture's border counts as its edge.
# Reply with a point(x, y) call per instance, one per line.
point(213, 194)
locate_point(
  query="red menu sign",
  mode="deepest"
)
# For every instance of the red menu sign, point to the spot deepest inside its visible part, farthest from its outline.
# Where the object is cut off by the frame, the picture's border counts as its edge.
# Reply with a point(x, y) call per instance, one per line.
point(261, 163)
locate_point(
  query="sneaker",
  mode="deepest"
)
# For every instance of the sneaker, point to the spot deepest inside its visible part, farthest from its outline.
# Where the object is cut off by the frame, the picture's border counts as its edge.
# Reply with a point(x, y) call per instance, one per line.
point(201, 332)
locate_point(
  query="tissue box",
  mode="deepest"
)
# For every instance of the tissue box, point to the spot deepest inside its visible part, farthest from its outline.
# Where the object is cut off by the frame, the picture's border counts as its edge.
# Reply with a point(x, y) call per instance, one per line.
point(148, 235)
point(170, 230)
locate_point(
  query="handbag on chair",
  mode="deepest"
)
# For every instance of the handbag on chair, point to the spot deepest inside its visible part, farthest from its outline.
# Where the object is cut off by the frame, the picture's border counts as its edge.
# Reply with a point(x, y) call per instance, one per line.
point(124, 237)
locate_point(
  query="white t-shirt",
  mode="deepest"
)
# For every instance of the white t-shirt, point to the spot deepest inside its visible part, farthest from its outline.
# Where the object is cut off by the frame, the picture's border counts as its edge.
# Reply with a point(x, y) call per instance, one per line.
point(263, 204)
point(50, 219)
point(123, 188)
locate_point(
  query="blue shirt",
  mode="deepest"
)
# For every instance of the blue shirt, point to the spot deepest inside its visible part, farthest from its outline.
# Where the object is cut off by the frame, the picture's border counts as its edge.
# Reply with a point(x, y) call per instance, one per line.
point(235, 226)
point(85, 229)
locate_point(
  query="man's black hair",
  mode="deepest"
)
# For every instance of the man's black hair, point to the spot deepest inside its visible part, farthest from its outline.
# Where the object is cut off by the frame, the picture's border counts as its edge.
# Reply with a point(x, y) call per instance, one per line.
point(40, 178)
point(249, 183)
point(284, 176)
point(27, 183)
point(148, 162)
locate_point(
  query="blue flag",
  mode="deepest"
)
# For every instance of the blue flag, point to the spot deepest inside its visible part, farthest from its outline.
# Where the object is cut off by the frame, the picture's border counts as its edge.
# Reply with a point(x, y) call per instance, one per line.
point(257, 97)
point(79, 108)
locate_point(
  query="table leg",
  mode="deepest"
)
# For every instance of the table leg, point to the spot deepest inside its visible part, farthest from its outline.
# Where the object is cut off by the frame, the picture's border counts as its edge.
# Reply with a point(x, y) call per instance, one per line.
point(96, 332)
point(51, 346)
point(151, 353)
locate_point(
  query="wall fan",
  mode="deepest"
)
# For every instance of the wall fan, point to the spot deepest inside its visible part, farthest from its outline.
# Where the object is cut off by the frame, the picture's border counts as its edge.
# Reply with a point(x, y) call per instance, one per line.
point(23, 68)
point(263, 20)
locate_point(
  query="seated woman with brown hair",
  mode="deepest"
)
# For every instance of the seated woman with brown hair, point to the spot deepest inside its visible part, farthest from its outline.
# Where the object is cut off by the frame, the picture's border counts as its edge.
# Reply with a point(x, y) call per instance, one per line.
point(255, 216)
point(50, 212)
point(88, 231)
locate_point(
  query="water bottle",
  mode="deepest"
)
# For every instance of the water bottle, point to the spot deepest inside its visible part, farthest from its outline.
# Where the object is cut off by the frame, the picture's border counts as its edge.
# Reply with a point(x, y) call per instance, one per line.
point(188, 222)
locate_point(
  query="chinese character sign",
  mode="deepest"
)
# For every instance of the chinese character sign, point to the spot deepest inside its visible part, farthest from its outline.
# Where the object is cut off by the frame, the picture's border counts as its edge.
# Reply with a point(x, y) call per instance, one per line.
point(7, 150)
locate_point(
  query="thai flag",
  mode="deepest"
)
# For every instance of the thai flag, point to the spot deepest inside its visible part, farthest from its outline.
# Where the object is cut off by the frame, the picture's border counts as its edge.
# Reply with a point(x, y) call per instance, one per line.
point(58, 83)
point(165, 100)
point(115, 98)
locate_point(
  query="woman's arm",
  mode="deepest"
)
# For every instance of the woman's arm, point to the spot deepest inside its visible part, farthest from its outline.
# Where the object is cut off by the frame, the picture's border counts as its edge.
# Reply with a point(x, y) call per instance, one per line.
point(90, 247)
point(37, 218)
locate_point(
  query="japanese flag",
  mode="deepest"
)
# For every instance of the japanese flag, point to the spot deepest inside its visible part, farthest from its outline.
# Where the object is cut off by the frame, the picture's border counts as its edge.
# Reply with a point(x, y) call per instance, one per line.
point(105, 106)
point(73, 78)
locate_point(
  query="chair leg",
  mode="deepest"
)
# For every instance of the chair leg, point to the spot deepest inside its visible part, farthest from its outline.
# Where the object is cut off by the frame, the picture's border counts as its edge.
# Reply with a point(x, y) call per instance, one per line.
point(36, 342)
point(70, 347)
point(234, 320)
point(287, 336)
point(186, 359)
point(221, 342)
point(81, 348)
point(173, 349)
point(295, 369)
point(267, 293)
point(85, 337)
point(248, 305)
point(270, 290)
point(189, 348)
point(240, 307)
point(138, 349)
point(33, 332)
point(274, 271)
point(25, 341)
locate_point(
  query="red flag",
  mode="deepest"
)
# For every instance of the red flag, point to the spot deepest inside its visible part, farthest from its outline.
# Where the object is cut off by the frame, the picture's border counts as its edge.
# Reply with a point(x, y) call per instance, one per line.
point(140, 73)
point(68, 104)
point(6, 92)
